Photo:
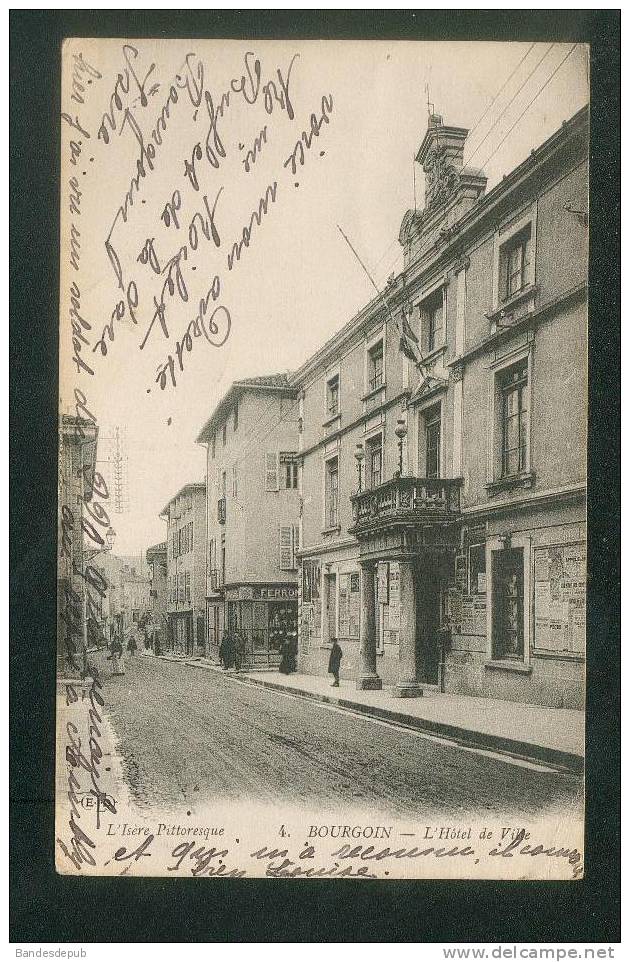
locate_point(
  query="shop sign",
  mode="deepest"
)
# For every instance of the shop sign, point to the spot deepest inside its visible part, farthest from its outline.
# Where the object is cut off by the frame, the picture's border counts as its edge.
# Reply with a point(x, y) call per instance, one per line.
point(287, 591)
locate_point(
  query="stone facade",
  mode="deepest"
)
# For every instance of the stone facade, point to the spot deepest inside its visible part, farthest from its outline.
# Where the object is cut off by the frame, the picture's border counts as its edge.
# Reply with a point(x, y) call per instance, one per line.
point(158, 592)
point(251, 440)
point(185, 515)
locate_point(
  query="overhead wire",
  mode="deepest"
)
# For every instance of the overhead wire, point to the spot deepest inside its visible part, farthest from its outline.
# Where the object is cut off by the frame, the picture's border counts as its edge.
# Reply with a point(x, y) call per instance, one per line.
point(497, 95)
point(533, 100)
point(509, 104)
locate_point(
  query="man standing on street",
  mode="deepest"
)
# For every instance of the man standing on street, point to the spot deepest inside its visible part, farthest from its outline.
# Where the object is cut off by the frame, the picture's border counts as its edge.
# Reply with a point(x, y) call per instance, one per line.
point(334, 662)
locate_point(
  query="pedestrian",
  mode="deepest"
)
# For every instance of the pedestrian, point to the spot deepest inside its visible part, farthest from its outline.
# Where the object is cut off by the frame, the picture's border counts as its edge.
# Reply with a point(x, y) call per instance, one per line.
point(116, 656)
point(132, 645)
point(336, 654)
point(239, 650)
point(225, 650)
point(285, 659)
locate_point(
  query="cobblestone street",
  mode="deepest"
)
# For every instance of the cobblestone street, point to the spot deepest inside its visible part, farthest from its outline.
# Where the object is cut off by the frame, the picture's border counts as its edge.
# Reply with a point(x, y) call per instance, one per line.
point(188, 735)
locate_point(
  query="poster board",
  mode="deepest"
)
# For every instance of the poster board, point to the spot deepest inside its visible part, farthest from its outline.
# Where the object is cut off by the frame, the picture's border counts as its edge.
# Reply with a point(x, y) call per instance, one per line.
point(560, 598)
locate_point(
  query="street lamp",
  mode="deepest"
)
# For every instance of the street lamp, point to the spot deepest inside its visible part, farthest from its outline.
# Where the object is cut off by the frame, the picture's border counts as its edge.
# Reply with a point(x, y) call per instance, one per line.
point(359, 455)
point(401, 434)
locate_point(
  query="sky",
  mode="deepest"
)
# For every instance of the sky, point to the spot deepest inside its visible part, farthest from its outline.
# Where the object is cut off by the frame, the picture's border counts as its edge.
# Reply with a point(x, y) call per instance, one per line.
point(296, 283)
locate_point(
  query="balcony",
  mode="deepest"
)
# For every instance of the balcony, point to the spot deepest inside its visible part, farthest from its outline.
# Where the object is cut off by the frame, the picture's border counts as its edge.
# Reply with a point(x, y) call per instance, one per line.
point(406, 501)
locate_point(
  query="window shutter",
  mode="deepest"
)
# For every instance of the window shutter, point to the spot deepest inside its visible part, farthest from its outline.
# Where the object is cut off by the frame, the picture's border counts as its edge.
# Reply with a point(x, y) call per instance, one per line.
point(286, 547)
point(271, 471)
point(296, 545)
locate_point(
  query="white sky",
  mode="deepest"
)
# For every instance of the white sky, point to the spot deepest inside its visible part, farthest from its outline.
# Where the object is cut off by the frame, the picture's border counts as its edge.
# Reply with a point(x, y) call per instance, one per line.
point(297, 283)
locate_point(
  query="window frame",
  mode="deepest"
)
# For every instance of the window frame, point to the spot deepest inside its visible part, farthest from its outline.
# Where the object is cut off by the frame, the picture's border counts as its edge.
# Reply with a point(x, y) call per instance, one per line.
point(370, 448)
point(328, 520)
point(497, 373)
point(428, 329)
point(372, 375)
point(508, 390)
point(494, 545)
point(431, 422)
point(504, 235)
point(333, 402)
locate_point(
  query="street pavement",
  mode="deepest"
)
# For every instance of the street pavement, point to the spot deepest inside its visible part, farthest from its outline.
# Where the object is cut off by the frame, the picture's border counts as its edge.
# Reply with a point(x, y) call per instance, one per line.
point(189, 735)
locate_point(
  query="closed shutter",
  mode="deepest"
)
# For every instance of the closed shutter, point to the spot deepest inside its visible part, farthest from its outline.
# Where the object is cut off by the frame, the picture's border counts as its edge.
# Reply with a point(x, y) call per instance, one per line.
point(286, 547)
point(296, 544)
point(271, 471)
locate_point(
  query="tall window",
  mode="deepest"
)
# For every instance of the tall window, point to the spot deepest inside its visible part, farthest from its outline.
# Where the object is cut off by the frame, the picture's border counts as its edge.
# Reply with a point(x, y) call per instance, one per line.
point(514, 404)
point(507, 604)
point(332, 493)
point(514, 264)
point(433, 309)
point(234, 482)
point(224, 435)
point(288, 469)
point(332, 396)
point(375, 366)
point(432, 434)
point(214, 445)
point(374, 461)
point(236, 416)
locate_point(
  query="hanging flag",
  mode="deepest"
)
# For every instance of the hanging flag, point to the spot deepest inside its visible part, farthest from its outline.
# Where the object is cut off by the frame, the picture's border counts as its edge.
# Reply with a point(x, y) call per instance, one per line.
point(408, 342)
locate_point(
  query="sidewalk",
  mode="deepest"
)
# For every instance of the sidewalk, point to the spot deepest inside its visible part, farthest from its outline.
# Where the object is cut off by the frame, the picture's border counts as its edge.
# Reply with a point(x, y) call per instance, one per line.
point(549, 735)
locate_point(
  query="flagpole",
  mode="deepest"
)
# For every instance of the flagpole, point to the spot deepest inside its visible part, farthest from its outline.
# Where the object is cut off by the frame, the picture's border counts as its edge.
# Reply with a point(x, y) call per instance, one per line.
point(398, 326)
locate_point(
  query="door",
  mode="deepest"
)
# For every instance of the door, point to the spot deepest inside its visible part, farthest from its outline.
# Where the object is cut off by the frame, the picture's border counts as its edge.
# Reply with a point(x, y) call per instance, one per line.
point(428, 620)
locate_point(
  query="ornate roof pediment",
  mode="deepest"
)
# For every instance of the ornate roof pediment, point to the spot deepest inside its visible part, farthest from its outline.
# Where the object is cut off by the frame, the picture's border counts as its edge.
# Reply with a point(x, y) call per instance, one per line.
point(431, 385)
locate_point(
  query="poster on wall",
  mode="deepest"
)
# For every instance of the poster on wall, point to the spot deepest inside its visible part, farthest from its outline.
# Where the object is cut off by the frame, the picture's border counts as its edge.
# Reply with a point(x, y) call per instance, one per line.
point(560, 598)
point(394, 596)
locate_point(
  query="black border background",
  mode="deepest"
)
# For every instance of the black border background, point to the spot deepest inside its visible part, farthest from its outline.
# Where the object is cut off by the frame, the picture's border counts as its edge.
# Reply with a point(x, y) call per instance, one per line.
point(48, 907)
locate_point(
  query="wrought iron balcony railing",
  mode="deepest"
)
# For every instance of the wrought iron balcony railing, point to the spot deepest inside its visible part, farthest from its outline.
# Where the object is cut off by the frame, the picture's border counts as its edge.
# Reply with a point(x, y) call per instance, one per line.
point(407, 499)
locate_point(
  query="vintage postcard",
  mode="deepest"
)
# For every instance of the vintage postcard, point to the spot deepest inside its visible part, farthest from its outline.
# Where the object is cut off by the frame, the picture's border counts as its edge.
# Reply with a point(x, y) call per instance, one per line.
point(322, 459)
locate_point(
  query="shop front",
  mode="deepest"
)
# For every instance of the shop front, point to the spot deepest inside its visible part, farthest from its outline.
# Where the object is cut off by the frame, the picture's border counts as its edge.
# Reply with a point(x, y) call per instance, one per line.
point(265, 616)
point(181, 632)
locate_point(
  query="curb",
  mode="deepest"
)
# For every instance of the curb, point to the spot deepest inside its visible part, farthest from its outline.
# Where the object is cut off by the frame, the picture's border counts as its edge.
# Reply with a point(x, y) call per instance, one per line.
point(527, 751)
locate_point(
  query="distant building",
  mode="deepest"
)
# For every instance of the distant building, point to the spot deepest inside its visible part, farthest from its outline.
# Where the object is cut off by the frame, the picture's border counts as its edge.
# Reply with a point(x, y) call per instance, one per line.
point(158, 593)
point(77, 458)
point(253, 514)
point(185, 515)
point(135, 602)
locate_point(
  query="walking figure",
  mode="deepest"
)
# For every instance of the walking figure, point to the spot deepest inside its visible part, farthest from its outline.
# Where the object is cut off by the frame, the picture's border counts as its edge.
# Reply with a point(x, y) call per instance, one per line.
point(336, 654)
point(226, 650)
point(116, 656)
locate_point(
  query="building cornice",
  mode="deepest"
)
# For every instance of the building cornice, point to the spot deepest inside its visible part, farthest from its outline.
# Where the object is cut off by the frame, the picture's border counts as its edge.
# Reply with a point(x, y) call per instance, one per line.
point(539, 499)
point(522, 323)
point(366, 416)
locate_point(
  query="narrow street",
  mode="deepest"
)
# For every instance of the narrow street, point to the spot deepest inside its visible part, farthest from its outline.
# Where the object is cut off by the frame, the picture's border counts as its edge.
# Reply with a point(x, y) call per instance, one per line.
point(186, 734)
